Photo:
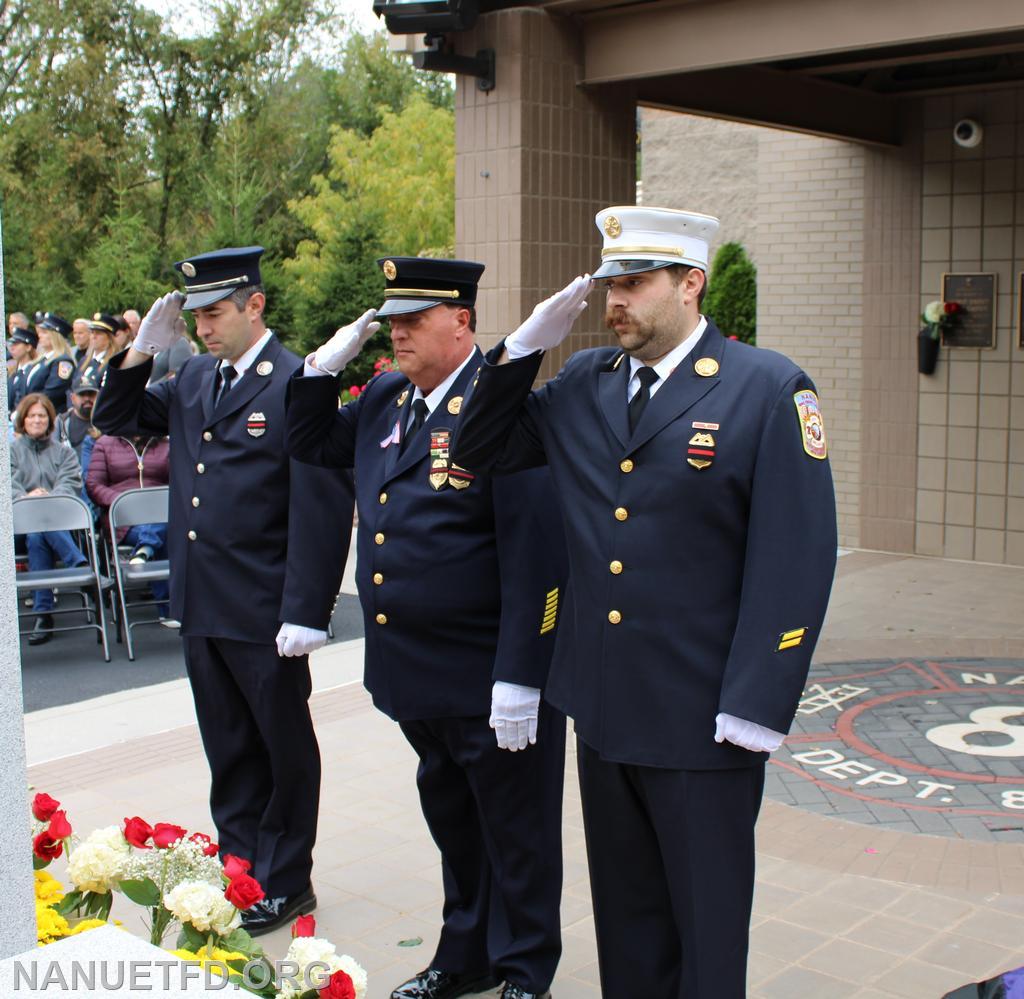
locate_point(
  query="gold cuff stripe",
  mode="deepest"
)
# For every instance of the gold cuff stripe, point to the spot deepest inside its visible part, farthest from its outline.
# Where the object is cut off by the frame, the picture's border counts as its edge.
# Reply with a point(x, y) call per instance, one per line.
point(550, 612)
point(419, 293)
point(668, 251)
point(795, 633)
point(242, 279)
point(791, 644)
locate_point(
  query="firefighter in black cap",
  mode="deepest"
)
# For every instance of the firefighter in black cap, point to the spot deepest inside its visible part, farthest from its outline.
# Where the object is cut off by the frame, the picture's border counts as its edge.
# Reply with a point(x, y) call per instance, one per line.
point(460, 579)
point(254, 573)
point(30, 373)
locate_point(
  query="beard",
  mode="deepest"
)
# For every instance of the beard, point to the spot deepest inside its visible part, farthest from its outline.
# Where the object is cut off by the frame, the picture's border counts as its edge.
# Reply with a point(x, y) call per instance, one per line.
point(647, 335)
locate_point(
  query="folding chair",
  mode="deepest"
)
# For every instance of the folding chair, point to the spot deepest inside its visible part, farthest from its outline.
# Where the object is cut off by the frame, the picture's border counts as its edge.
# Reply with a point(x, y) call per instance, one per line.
point(131, 508)
point(36, 514)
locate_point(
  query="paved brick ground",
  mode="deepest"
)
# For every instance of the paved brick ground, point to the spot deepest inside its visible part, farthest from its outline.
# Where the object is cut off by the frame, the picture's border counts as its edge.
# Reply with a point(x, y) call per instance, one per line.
point(843, 908)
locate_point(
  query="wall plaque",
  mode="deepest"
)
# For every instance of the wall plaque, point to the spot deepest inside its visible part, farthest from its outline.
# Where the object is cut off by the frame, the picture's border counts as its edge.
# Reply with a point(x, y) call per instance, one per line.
point(975, 324)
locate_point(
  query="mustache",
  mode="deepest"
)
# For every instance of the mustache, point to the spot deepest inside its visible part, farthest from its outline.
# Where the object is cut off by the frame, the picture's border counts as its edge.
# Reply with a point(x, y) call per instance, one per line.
point(613, 316)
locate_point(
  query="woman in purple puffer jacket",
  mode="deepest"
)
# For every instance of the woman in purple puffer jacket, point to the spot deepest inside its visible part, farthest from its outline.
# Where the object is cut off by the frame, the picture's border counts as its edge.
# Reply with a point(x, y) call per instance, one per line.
point(122, 463)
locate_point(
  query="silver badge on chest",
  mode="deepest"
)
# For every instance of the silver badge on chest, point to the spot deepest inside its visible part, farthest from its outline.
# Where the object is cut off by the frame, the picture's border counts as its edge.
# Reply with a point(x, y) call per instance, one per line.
point(256, 424)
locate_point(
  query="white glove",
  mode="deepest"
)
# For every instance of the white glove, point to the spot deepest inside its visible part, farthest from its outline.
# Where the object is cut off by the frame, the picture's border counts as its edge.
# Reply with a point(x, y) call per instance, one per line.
point(296, 640)
point(550, 321)
point(746, 734)
point(345, 344)
point(160, 327)
point(514, 714)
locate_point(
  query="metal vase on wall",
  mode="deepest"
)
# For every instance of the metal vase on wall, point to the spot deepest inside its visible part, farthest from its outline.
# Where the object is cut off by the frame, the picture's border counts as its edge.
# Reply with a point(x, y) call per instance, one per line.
point(927, 352)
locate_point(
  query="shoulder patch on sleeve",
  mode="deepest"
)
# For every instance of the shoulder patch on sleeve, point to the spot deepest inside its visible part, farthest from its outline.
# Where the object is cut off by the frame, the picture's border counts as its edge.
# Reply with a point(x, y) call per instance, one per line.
point(64, 369)
point(812, 426)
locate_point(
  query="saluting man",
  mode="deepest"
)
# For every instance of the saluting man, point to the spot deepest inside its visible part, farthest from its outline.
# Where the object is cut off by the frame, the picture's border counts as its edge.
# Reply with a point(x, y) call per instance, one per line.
point(694, 478)
point(254, 575)
point(460, 579)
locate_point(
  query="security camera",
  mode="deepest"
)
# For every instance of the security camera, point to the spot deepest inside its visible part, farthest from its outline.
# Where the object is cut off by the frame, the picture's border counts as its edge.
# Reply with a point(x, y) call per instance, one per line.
point(967, 133)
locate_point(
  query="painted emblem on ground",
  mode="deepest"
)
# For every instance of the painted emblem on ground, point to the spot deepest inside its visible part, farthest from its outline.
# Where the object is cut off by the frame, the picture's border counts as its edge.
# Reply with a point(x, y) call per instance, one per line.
point(932, 746)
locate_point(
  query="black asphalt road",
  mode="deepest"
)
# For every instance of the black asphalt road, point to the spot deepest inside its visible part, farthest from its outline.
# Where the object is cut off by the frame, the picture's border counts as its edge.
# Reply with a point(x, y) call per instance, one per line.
point(70, 667)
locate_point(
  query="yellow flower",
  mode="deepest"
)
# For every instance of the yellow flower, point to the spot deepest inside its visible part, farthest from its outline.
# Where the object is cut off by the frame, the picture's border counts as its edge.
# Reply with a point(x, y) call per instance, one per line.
point(86, 924)
point(48, 889)
point(217, 959)
point(50, 925)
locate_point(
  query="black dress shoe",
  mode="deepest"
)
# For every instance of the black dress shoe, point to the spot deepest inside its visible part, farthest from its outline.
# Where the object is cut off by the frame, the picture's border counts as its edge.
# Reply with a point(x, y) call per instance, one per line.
point(513, 991)
point(41, 630)
point(432, 983)
point(270, 913)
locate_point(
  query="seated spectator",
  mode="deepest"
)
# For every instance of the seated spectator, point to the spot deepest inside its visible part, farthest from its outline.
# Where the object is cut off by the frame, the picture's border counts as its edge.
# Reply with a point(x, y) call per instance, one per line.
point(42, 466)
point(80, 334)
point(75, 428)
point(122, 463)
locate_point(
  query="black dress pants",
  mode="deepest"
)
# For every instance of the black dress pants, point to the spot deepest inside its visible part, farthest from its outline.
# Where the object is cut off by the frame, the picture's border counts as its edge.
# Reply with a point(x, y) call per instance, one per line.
point(671, 855)
point(496, 817)
point(253, 711)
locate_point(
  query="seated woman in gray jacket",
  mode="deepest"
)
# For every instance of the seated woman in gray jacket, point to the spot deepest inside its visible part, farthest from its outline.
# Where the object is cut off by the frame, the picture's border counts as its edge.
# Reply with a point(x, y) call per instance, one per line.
point(42, 466)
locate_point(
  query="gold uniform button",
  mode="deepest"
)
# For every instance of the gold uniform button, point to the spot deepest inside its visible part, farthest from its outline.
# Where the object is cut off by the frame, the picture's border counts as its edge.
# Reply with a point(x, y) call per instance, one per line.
point(626, 465)
point(207, 436)
point(382, 619)
point(378, 578)
point(192, 535)
point(378, 539)
point(621, 513)
point(382, 499)
point(195, 501)
point(614, 616)
point(616, 567)
point(200, 468)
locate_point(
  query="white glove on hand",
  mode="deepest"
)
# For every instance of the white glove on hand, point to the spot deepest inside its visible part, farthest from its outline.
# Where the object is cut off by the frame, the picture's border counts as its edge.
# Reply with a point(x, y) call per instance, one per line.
point(746, 734)
point(550, 321)
point(160, 327)
point(514, 714)
point(345, 344)
point(296, 640)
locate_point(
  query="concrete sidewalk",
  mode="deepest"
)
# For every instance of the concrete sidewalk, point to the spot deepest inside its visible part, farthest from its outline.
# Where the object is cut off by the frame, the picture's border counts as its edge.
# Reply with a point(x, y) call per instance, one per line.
point(842, 909)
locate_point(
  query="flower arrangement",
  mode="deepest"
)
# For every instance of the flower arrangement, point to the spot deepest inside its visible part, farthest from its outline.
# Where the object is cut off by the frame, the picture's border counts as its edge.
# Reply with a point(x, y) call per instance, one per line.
point(938, 316)
point(177, 878)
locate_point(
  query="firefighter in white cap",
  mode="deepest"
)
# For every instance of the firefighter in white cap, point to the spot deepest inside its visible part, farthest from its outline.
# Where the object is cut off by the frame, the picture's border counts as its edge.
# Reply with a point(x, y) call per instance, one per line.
point(694, 479)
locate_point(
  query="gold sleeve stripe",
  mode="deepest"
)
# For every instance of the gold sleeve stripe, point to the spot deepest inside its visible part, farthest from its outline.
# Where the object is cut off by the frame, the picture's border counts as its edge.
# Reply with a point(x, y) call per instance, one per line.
point(796, 633)
point(791, 644)
point(550, 612)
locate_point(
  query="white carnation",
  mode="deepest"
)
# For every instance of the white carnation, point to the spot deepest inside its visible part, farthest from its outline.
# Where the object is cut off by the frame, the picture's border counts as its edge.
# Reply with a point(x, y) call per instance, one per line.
point(203, 906)
point(354, 971)
point(306, 951)
point(933, 312)
point(100, 862)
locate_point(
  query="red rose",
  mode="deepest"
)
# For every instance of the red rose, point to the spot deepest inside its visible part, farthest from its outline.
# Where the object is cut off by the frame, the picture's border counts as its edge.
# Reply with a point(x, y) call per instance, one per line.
point(354, 390)
point(45, 848)
point(243, 892)
point(43, 806)
point(235, 867)
point(339, 987)
point(951, 308)
point(137, 831)
point(209, 847)
point(165, 834)
point(59, 827)
point(304, 926)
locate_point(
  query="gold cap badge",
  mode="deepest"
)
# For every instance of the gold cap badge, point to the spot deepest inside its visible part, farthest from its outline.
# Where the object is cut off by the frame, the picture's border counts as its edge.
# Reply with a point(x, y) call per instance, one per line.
point(706, 367)
point(264, 367)
point(390, 270)
point(612, 227)
point(454, 405)
point(188, 269)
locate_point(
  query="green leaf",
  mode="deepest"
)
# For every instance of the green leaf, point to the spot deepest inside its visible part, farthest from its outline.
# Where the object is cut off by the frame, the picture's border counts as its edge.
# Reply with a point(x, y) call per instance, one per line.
point(190, 938)
point(38, 863)
point(68, 903)
point(238, 939)
point(411, 942)
point(142, 892)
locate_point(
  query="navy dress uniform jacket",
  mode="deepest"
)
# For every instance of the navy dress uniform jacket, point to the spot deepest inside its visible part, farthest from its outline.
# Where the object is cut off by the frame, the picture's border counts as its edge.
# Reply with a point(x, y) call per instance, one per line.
point(704, 568)
point(59, 371)
point(252, 537)
point(455, 572)
point(31, 378)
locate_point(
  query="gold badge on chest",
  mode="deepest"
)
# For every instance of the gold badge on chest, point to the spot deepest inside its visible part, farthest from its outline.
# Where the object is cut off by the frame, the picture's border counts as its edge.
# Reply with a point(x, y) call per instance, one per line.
point(439, 442)
point(455, 404)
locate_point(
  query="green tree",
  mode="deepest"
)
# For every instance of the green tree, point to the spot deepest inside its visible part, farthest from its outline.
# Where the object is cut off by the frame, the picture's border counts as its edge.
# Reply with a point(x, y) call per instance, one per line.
point(392, 193)
point(731, 300)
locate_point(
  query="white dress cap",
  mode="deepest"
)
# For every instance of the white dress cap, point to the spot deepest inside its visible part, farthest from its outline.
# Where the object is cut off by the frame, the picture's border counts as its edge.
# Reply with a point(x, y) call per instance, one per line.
point(642, 239)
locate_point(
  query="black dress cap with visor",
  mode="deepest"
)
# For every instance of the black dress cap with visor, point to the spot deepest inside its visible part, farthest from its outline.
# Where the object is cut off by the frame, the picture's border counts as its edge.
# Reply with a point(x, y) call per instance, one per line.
point(22, 335)
point(416, 283)
point(212, 276)
point(58, 324)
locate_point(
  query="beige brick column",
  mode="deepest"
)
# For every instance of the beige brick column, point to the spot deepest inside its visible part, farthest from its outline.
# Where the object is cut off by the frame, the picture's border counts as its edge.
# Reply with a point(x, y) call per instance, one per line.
point(536, 157)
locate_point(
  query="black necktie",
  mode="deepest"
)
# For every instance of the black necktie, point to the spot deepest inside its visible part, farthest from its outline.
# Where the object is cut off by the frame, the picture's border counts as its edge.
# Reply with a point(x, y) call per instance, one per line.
point(419, 417)
point(637, 405)
point(227, 376)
